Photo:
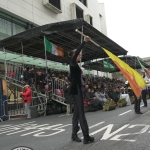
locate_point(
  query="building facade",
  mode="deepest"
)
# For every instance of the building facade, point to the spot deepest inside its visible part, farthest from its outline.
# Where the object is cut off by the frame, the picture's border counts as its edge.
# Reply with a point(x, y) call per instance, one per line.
point(20, 15)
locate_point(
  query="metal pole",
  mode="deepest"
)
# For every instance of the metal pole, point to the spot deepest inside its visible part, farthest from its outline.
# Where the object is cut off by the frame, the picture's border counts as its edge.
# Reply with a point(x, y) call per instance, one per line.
point(5, 63)
point(90, 39)
point(22, 54)
point(46, 76)
point(81, 50)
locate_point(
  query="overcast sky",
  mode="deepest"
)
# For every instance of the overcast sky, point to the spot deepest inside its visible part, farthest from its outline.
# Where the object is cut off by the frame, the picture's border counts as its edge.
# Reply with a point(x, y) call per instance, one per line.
point(128, 24)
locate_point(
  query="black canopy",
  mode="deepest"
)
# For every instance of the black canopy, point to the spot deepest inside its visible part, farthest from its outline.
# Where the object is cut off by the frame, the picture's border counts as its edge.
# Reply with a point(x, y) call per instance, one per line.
point(62, 34)
point(130, 60)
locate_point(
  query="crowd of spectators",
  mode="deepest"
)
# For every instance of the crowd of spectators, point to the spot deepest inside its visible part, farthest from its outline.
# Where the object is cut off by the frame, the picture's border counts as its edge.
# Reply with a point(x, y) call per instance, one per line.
point(97, 90)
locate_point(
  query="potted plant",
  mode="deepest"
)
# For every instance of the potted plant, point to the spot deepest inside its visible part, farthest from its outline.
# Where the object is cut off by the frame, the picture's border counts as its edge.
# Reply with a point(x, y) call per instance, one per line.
point(109, 105)
point(122, 102)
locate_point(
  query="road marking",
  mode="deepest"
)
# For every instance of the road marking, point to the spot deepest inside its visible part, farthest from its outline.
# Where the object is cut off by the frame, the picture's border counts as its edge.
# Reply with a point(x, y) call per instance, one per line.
point(57, 129)
point(93, 126)
point(41, 129)
point(16, 126)
point(141, 105)
point(63, 115)
point(124, 113)
point(28, 128)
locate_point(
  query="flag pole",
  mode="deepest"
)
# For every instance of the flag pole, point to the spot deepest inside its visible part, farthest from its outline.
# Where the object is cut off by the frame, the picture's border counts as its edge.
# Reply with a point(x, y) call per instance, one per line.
point(45, 55)
point(46, 73)
point(81, 50)
point(90, 39)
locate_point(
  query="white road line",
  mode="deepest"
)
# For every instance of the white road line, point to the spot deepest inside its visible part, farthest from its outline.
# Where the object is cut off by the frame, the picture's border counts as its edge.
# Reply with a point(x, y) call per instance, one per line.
point(63, 115)
point(141, 105)
point(124, 113)
point(40, 129)
point(93, 126)
point(10, 130)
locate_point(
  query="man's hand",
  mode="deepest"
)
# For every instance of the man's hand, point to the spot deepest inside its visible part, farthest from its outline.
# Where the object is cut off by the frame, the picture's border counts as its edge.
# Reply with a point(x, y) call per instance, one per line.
point(86, 38)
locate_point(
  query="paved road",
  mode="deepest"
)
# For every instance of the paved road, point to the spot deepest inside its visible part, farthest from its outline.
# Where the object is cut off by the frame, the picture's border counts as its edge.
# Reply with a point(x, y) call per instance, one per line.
point(120, 129)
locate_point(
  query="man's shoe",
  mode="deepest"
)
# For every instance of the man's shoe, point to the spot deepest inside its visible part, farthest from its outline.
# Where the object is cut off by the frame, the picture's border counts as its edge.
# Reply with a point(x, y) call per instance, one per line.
point(75, 138)
point(88, 139)
point(138, 112)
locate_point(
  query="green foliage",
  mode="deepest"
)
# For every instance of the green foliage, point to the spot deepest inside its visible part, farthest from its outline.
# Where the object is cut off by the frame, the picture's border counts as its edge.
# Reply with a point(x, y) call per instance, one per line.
point(109, 103)
point(123, 100)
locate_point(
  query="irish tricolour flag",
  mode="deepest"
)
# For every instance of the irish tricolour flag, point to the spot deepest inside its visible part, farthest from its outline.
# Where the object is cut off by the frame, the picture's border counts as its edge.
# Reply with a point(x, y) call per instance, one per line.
point(52, 48)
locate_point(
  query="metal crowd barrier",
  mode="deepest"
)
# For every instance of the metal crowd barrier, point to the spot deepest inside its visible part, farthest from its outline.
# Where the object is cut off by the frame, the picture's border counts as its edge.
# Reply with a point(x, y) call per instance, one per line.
point(16, 107)
point(57, 89)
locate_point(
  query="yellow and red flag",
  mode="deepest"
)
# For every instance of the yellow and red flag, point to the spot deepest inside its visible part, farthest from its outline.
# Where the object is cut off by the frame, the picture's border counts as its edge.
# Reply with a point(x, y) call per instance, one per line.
point(135, 80)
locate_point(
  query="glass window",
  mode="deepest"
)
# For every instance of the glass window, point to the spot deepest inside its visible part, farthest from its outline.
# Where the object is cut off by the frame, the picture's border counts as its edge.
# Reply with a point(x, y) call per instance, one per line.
point(79, 12)
point(83, 2)
point(17, 29)
point(91, 20)
point(10, 26)
point(55, 3)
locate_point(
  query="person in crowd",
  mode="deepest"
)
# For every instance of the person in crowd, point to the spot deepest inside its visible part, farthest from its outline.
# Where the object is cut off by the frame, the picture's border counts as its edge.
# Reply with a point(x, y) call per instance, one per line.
point(31, 75)
point(26, 75)
point(94, 88)
point(102, 96)
point(90, 97)
point(115, 95)
point(68, 98)
point(125, 95)
point(40, 79)
point(27, 99)
point(97, 94)
point(110, 93)
point(76, 88)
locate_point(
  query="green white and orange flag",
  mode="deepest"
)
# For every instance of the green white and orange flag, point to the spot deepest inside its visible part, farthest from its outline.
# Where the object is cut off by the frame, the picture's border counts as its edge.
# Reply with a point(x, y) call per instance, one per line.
point(52, 48)
point(135, 80)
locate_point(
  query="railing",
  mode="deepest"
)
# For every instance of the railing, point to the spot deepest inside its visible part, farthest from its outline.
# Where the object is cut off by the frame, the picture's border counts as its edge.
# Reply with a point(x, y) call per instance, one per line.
point(57, 90)
point(16, 107)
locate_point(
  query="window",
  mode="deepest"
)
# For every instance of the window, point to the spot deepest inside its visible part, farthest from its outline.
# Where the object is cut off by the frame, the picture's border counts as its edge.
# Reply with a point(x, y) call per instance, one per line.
point(91, 20)
point(55, 3)
point(5, 29)
point(10, 26)
point(79, 12)
point(17, 29)
point(83, 2)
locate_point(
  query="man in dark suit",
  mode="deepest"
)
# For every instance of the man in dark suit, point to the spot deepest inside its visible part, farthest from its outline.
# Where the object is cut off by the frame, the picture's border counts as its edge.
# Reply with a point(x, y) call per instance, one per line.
point(144, 92)
point(76, 90)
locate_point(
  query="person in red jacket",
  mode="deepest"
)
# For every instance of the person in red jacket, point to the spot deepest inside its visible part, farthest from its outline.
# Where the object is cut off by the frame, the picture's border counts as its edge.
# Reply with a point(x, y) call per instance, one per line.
point(27, 99)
